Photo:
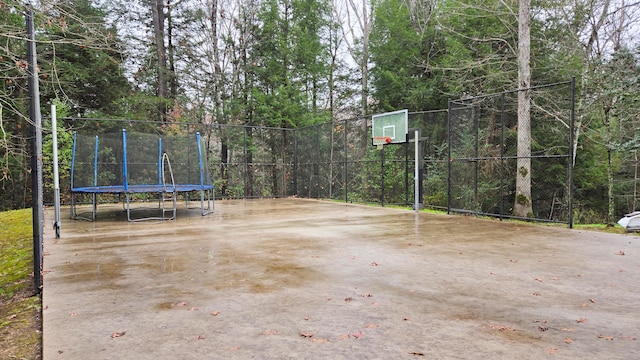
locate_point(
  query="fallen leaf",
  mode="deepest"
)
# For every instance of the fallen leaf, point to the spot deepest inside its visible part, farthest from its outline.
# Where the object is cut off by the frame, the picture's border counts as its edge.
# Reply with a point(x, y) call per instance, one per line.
point(536, 293)
point(540, 321)
point(306, 334)
point(568, 340)
point(347, 299)
point(73, 314)
point(581, 320)
point(552, 350)
point(416, 353)
point(539, 279)
point(269, 332)
point(501, 328)
point(374, 263)
point(621, 253)
point(234, 348)
point(357, 335)
point(555, 278)
point(371, 326)
point(542, 328)
point(592, 300)
point(215, 313)
point(199, 337)
point(320, 340)
point(182, 303)
point(193, 308)
point(568, 329)
point(583, 305)
point(306, 318)
point(117, 334)
point(513, 261)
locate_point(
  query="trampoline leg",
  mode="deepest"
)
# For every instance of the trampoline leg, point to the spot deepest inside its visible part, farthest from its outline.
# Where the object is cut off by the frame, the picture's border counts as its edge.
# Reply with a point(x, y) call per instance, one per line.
point(209, 209)
point(202, 202)
point(72, 207)
point(128, 207)
point(95, 207)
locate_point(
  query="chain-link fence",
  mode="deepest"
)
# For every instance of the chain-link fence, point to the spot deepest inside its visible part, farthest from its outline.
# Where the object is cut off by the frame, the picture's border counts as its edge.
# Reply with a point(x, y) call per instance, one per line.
point(468, 157)
point(487, 155)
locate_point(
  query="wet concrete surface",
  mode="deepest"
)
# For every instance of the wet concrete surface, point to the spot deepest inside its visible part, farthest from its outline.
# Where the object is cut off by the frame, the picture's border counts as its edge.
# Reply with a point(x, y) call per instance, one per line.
point(306, 279)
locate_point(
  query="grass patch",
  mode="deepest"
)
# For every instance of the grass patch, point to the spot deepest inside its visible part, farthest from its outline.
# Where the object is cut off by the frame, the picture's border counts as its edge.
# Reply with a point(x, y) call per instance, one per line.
point(20, 308)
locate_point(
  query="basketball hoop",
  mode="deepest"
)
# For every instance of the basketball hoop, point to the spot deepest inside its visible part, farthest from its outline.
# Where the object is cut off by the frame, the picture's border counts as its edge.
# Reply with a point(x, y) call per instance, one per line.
point(381, 141)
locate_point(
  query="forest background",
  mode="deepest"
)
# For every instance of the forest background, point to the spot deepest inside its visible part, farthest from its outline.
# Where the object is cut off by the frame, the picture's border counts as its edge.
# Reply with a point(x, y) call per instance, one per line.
point(294, 63)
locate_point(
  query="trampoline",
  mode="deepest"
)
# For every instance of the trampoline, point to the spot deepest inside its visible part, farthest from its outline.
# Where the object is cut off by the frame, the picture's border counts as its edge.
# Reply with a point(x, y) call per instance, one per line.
point(138, 167)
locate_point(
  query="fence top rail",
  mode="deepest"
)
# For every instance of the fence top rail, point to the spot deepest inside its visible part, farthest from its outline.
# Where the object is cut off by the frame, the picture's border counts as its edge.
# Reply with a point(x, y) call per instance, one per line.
point(464, 101)
point(186, 123)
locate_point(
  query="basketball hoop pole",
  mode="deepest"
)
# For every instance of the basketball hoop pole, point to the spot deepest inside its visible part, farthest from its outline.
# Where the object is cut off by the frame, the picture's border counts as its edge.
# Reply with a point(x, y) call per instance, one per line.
point(417, 204)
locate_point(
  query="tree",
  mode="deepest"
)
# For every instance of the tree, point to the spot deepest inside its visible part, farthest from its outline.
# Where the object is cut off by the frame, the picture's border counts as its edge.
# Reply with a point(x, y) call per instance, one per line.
point(523, 204)
point(354, 20)
point(157, 9)
point(87, 76)
point(288, 61)
point(70, 36)
point(620, 84)
point(401, 50)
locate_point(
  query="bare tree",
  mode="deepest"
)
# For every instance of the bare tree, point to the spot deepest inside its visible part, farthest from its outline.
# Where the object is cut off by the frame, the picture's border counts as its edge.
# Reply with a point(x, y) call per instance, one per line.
point(354, 19)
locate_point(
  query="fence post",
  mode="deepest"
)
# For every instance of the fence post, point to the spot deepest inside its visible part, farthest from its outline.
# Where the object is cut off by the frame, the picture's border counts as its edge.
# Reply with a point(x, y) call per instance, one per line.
point(295, 162)
point(571, 154)
point(502, 101)
point(448, 156)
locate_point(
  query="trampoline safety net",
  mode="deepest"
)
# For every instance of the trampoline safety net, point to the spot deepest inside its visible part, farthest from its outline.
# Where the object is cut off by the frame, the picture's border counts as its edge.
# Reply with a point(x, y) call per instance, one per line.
point(129, 162)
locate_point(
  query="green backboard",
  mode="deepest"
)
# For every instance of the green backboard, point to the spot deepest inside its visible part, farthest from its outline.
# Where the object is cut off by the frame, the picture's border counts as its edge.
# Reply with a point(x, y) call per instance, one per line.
point(390, 128)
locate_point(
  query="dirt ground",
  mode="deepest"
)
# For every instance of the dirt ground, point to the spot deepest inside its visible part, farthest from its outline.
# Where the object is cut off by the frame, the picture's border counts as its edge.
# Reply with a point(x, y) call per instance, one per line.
point(306, 279)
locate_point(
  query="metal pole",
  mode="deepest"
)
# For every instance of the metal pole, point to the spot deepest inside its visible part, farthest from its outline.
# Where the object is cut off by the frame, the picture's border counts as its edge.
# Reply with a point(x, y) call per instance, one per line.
point(571, 153)
point(449, 158)
point(476, 125)
point(125, 175)
point(36, 152)
point(417, 202)
point(94, 196)
point(346, 164)
point(405, 146)
point(73, 163)
point(160, 163)
point(295, 162)
point(56, 177)
point(502, 102)
point(382, 177)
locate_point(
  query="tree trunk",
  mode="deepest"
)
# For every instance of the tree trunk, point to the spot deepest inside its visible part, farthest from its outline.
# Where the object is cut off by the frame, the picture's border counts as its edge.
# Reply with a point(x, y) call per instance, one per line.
point(608, 142)
point(523, 206)
point(364, 65)
point(171, 73)
point(157, 8)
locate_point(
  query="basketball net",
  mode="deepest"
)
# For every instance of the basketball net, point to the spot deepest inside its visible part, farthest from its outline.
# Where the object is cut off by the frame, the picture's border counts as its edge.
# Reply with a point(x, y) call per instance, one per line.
point(381, 141)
